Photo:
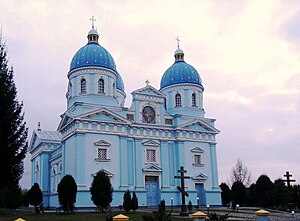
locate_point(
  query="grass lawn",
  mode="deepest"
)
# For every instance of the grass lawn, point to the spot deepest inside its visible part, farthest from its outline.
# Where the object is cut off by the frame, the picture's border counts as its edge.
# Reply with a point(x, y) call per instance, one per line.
point(88, 216)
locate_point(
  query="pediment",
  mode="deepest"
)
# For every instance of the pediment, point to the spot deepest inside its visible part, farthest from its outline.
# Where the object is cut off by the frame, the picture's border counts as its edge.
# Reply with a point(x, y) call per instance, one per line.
point(151, 143)
point(197, 150)
point(65, 119)
point(109, 174)
point(152, 168)
point(200, 177)
point(199, 125)
point(35, 141)
point(102, 143)
point(148, 90)
point(103, 115)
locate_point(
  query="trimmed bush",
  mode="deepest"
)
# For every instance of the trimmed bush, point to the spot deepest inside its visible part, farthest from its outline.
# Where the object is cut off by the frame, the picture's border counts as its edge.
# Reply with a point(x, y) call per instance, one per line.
point(67, 190)
point(101, 190)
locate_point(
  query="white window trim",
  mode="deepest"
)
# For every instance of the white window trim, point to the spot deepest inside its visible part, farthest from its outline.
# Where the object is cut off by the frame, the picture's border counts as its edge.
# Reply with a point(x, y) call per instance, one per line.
point(59, 170)
point(180, 99)
point(201, 160)
point(102, 91)
point(80, 86)
point(53, 179)
point(156, 156)
point(37, 172)
point(194, 99)
point(107, 154)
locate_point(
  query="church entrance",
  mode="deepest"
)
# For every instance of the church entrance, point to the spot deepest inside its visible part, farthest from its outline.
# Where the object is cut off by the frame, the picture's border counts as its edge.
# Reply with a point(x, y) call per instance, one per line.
point(152, 188)
point(201, 194)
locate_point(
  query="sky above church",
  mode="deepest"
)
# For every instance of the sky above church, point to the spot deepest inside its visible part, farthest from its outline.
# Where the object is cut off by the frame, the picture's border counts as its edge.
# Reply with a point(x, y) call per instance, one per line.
point(247, 54)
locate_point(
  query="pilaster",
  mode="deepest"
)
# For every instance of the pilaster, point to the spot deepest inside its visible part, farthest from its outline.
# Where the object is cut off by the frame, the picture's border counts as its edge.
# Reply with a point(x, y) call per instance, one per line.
point(165, 164)
point(80, 157)
point(123, 162)
point(139, 179)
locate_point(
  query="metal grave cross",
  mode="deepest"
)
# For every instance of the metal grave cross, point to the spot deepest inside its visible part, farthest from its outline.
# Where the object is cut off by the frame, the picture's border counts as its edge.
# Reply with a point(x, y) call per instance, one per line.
point(288, 180)
point(181, 189)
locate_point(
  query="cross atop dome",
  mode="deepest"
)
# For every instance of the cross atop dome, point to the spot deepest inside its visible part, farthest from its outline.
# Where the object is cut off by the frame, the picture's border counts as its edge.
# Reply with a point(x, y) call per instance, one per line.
point(93, 35)
point(178, 40)
point(179, 55)
point(93, 19)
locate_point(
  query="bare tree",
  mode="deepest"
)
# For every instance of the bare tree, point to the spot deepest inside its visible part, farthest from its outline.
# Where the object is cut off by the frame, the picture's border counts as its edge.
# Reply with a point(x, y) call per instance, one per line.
point(240, 173)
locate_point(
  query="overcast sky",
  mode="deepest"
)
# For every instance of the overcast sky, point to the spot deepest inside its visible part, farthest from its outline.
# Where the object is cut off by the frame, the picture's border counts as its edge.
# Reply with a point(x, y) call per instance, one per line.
point(246, 52)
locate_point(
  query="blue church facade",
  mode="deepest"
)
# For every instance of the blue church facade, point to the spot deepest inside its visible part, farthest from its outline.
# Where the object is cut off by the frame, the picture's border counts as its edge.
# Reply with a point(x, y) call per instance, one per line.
point(140, 148)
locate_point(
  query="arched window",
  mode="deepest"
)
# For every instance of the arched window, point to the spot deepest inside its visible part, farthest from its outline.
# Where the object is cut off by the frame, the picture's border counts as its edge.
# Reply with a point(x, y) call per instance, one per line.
point(114, 89)
point(59, 171)
point(177, 100)
point(53, 179)
point(83, 86)
point(101, 86)
point(37, 173)
point(194, 100)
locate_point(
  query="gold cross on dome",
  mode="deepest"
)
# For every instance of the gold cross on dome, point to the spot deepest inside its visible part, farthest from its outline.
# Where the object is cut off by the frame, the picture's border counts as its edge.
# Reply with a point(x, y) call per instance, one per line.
point(92, 19)
point(178, 40)
point(147, 82)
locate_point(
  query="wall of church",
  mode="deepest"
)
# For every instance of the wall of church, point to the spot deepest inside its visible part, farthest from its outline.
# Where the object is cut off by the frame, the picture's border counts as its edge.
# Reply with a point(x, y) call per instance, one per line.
point(91, 92)
point(185, 106)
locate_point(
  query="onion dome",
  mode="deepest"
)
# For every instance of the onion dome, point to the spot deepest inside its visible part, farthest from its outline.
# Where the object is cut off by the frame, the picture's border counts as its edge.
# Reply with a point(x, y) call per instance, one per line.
point(180, 72)
point(120, 83)
point(93, 54)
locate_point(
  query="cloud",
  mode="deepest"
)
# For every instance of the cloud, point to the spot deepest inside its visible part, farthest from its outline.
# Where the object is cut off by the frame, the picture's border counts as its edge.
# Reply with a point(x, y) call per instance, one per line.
point(290, 28)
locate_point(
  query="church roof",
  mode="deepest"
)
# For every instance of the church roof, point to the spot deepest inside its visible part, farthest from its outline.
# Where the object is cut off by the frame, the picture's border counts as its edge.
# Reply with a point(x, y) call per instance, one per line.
point(180, 72)
point(48, 135)
point(93, 54)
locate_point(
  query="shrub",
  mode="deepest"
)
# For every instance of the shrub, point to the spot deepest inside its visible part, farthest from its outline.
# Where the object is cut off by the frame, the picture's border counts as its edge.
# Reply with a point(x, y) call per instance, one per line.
point(10, 197)
point(35, 195)
point(67, 190)
point(134, 202)
point(101, 190)
point(162, 206)
point(127, 201)
point(190, 206)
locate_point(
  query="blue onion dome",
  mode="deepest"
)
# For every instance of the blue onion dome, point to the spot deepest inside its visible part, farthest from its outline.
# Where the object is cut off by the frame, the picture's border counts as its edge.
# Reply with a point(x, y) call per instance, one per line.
point(180, 72)
point(120, 83)
point(93, 54)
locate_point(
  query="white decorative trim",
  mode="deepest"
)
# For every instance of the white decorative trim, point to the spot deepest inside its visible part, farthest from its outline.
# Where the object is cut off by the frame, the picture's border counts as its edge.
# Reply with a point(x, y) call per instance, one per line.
point(152, 168)
point(197, 150)
point(150, 143)
point(109, 174)
point(102, 143)
point(200, 177)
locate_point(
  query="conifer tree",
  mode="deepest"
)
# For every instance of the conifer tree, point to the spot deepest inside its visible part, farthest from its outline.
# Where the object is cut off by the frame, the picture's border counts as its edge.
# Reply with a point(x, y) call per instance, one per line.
point(35, 195)
point(225, 195)
point(134, 202)
point(238, 193)
point(13, 132)
point(127, 201)
point(101, 190)
point(67, 191)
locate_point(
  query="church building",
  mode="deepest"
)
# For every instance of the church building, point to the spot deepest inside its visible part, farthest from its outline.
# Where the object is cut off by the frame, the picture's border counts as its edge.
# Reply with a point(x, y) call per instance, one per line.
point(141, 147)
